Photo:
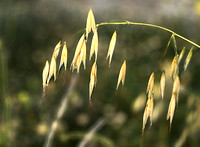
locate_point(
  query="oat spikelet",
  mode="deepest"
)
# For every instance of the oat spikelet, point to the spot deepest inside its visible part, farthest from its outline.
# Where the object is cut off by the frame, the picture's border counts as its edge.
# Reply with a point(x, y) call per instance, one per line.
point(150, 83)
point(94, 46)
point(63, 59)
point(181, 55)
point(80, 54)
point(45, 75)
point(171, 109)
point(52, 70)
point(56, 50)
point(122, 74)
point(111, 47)
point(188, 58)
point(93, 79)
point(162, 85)
point(90, 24)
point(174, 67)
point(148, 112)
point(176, 88)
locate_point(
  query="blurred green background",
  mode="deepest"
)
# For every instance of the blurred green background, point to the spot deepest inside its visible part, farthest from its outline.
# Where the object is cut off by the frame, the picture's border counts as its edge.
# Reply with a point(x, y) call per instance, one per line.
point(29, 31)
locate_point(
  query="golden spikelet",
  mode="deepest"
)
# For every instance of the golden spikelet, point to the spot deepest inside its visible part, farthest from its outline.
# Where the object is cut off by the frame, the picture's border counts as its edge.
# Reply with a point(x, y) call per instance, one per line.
point(171, 109)
point(174, 67)
point(94, 46)
point(122, 74)
point(45, 75)
point(56, 50)
point(80, 54)
point(162, 85)
point(52, 70)
point(111, 47)
point(93, 79)
point(148, 112)
point(176, 88)
point(63, 59)
point(188, 58)
point(181, 55)
point(90, 24)
point(150, 83)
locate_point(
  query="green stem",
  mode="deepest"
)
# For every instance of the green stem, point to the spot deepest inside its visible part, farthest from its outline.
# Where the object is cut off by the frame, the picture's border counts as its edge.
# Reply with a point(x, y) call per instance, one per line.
point(149, 25)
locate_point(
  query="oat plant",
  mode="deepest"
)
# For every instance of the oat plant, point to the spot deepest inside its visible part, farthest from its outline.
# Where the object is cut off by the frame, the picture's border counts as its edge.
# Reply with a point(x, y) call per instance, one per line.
point(51, 69)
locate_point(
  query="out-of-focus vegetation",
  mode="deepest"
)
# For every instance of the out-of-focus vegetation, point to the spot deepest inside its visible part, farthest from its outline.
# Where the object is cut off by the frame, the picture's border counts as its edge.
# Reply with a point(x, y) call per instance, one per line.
point(29, 31)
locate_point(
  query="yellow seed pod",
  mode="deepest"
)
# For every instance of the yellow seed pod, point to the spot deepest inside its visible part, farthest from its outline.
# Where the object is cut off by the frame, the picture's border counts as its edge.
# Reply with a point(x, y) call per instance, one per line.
point(150, 83)
point(45, 75)
point(94, 46)
point(122, 74)
point(80, 54)
point(52, 70)
point(176, 87)
point(171, 109)
point(162, 85)
point(63, 59)
point(181, 55)
point(174, 67)
point(56, 50)
point(93, 79)
point(188, 58)
point(111, 47)
point(90, 24)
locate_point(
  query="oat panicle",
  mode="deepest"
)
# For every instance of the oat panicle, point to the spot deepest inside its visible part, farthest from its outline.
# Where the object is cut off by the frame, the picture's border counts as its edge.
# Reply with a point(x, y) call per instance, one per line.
point(150, 83)
point(188, 58)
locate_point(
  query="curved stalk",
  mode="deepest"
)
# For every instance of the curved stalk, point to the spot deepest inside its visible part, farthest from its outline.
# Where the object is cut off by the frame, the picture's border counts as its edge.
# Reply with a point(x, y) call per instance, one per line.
point(126, 22)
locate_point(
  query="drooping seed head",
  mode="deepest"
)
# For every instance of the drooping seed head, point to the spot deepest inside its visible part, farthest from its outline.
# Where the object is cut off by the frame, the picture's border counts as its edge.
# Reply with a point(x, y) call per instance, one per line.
point(80, 54)
point(94, 46)
point(56, 50)
point(181, 55)
point(176, 87)
point(63, 59)
point(162, 85)
point(90, 24)
point(52, 70)
point(122, 74)
point(174, 67)
point(45, 75)
point(93, 79)
point(188, 58)
point(171, 109)
point(150, 83)
point(111, 47)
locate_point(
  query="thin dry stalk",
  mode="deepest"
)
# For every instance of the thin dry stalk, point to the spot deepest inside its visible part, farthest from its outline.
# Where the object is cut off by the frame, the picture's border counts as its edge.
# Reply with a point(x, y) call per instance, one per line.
point(61, 109)
point(98, 125)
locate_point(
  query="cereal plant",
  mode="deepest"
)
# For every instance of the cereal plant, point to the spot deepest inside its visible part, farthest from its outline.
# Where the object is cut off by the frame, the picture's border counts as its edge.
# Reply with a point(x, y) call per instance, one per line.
point(91, 31)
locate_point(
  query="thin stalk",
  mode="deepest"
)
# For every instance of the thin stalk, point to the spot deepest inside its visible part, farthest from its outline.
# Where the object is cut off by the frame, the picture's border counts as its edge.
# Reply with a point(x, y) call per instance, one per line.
point(126, 22)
